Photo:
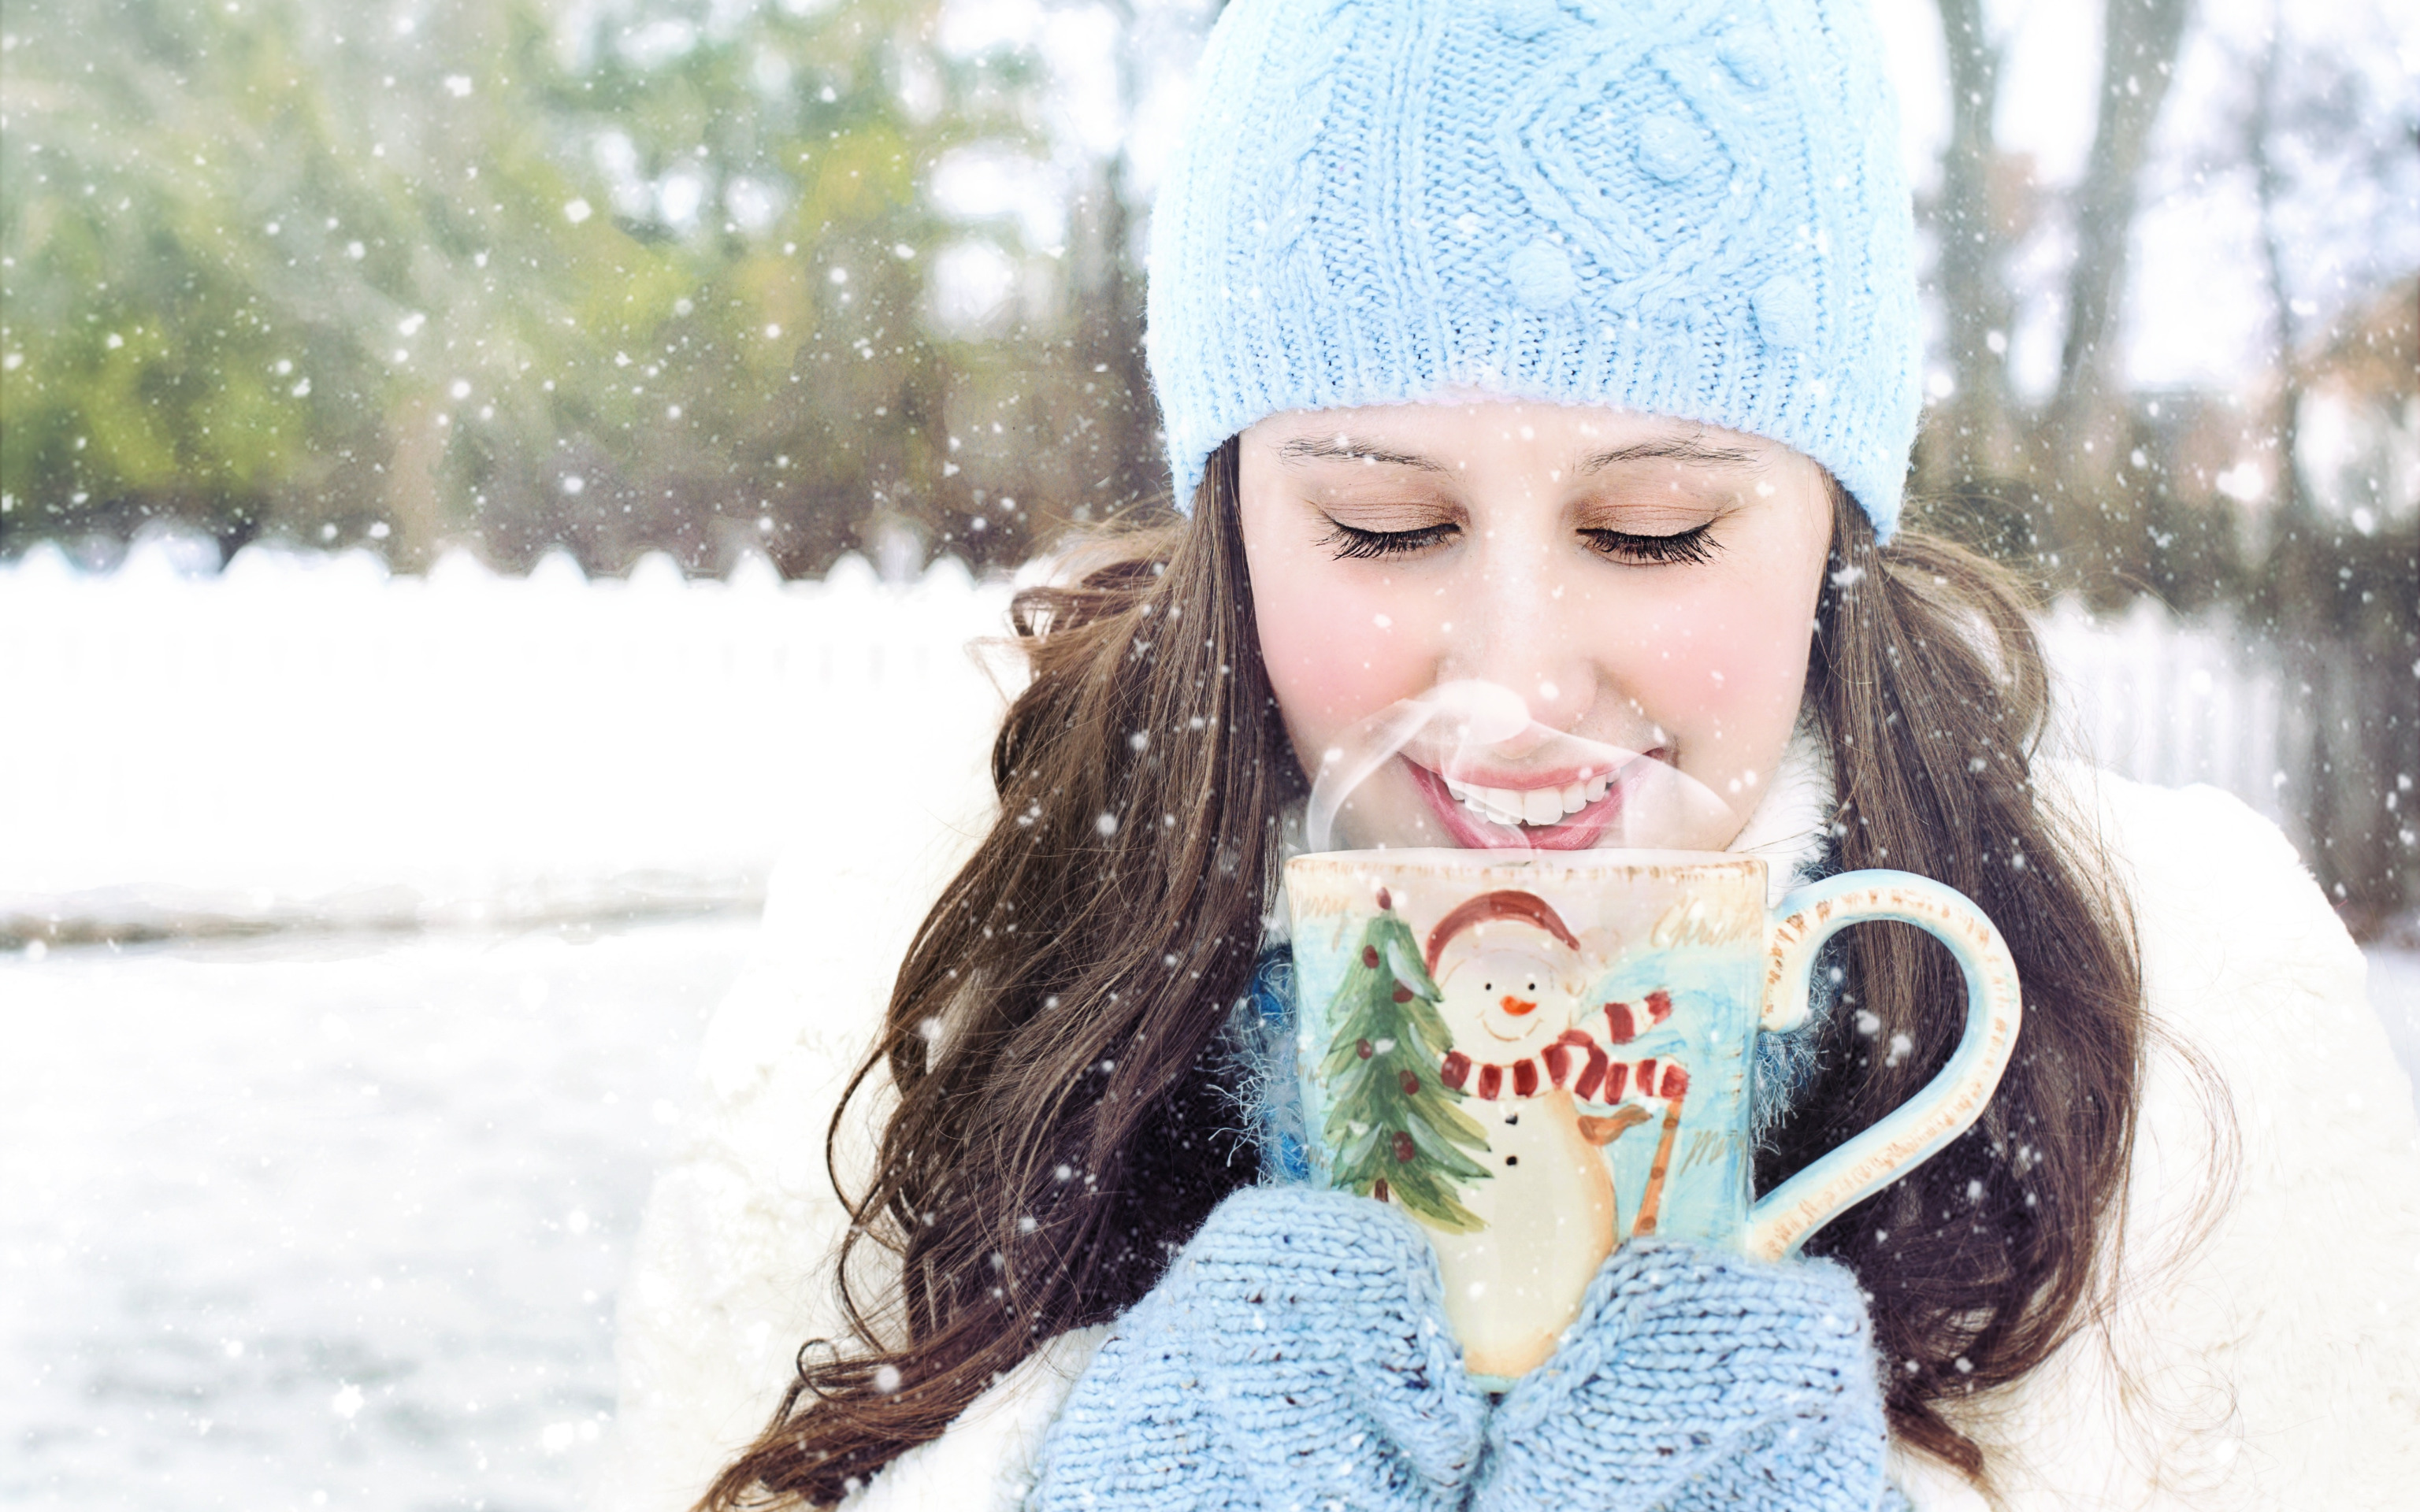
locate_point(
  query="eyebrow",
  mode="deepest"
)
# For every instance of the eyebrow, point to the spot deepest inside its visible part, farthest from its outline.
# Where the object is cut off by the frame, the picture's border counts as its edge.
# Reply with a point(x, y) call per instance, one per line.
point(1345, 449)
point(1689, 449)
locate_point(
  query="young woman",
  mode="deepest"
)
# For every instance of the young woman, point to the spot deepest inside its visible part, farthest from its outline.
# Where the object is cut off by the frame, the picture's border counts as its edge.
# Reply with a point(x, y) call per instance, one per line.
point(1569, 348)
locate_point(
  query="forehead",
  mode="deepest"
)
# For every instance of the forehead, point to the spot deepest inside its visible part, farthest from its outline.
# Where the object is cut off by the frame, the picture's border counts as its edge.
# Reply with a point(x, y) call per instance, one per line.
point(1464, 434)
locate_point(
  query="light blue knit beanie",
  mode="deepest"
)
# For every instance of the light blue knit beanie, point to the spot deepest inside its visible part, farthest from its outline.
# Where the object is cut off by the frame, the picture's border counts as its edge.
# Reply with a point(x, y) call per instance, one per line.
point(1691, 207)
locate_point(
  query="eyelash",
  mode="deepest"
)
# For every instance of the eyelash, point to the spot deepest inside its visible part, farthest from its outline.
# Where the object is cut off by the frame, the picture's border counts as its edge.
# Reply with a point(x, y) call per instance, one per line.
point(1691, 546)
point(1695, 545)
point(1357, 545)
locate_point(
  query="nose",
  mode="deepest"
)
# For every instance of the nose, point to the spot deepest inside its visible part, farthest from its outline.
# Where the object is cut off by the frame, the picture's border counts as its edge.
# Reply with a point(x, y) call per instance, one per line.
point(1517, 623)
point(1516, 1007)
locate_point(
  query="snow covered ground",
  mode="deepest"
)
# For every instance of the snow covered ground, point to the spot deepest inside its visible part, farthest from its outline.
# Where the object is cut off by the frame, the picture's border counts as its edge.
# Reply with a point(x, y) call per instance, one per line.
point(330, 1221)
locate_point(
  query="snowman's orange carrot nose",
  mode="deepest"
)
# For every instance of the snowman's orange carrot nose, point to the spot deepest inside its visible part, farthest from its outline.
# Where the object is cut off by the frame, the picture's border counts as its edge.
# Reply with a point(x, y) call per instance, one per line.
point(1515, 1006)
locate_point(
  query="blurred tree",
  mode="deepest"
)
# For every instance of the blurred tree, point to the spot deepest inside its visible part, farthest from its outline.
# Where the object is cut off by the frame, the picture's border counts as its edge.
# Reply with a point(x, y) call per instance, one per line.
point(2117, 493)
point(1127, 446)
point(795, 395)
point(648, 274)
point(2081, 436)
point(1976, 431)
point(255, 279)
point(2340, 587)
point(2048, 489)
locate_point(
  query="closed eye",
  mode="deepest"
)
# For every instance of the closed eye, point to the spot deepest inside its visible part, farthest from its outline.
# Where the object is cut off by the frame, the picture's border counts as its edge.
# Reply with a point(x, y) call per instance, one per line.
point(1691, 546)
point(1353, 542)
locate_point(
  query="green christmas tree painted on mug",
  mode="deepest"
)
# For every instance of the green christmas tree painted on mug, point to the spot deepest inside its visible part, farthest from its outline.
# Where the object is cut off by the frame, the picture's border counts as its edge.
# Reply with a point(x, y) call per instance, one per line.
point(1393, 1125)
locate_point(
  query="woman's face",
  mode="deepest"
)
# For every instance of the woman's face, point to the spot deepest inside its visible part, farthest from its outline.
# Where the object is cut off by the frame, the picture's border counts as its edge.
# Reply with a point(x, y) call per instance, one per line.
point(1646, 586)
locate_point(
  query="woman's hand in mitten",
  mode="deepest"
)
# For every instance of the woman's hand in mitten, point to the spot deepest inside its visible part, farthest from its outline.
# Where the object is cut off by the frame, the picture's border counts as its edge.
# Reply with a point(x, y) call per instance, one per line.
point(1296, 1354)
point(1694, 1379)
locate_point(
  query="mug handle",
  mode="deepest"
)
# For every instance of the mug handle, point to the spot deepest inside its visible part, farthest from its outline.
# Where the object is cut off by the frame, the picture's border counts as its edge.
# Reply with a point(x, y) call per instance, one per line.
point(1948, 1106)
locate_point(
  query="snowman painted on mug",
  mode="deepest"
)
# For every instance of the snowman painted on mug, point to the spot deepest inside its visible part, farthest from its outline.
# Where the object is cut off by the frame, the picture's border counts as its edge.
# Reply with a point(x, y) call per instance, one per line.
point(1554, 1080)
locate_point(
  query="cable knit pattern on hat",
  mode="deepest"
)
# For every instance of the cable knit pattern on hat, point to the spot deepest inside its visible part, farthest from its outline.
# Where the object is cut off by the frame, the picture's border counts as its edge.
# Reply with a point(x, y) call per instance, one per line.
point(1676, 206)
point(1297, 1355)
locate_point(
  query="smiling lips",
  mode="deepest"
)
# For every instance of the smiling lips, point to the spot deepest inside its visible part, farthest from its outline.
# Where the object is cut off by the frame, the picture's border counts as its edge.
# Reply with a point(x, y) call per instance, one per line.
point(1567, 816)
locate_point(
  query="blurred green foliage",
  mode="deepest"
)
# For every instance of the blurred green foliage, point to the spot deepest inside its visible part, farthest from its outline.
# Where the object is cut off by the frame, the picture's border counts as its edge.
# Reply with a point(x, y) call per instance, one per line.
point(616, 278)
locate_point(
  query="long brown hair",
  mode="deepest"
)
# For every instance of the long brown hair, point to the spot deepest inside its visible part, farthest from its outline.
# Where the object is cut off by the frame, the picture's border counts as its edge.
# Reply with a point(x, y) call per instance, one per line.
point(1063, 1121)
point(1933, 696)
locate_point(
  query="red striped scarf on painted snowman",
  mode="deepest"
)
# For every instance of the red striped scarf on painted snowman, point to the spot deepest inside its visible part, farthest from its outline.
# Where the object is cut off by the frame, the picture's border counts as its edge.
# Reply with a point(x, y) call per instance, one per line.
point(1599, 1077)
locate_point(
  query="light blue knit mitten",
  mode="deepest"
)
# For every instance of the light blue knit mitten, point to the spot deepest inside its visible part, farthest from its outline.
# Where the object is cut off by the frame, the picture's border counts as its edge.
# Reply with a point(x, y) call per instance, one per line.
point(1295, 1355)
point(1694, 1379)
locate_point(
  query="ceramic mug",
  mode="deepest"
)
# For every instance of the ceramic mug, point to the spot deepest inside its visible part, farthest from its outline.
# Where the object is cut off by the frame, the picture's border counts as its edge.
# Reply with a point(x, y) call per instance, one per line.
point(1537, 1059)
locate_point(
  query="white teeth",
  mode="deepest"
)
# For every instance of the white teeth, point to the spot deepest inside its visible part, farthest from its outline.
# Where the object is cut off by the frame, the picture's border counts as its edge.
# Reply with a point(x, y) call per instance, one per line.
point(1531, 806)
point(1497, 806)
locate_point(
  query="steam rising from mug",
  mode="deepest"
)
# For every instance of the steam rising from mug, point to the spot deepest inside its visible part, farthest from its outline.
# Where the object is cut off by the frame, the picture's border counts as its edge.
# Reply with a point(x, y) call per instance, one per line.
point(1459, 731)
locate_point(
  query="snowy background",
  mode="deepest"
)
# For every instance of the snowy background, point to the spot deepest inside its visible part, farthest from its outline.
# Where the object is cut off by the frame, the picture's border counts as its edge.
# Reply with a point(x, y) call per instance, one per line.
point(334, 1222)
point(329, 1105)
point(325, 1119)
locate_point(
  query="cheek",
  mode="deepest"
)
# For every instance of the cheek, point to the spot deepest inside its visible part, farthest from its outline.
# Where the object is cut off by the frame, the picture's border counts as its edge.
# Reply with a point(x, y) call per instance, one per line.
point(1730, 689)
point(1337, 651)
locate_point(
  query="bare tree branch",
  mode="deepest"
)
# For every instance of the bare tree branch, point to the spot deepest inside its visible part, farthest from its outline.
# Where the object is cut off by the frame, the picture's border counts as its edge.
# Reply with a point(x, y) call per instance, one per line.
point(2269, 188)
point(2139, 42)
point(1978, 435)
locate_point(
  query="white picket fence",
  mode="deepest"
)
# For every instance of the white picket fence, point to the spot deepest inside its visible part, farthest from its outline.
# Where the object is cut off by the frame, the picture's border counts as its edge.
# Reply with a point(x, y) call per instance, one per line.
point(304, 736)
point(2173, 702)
